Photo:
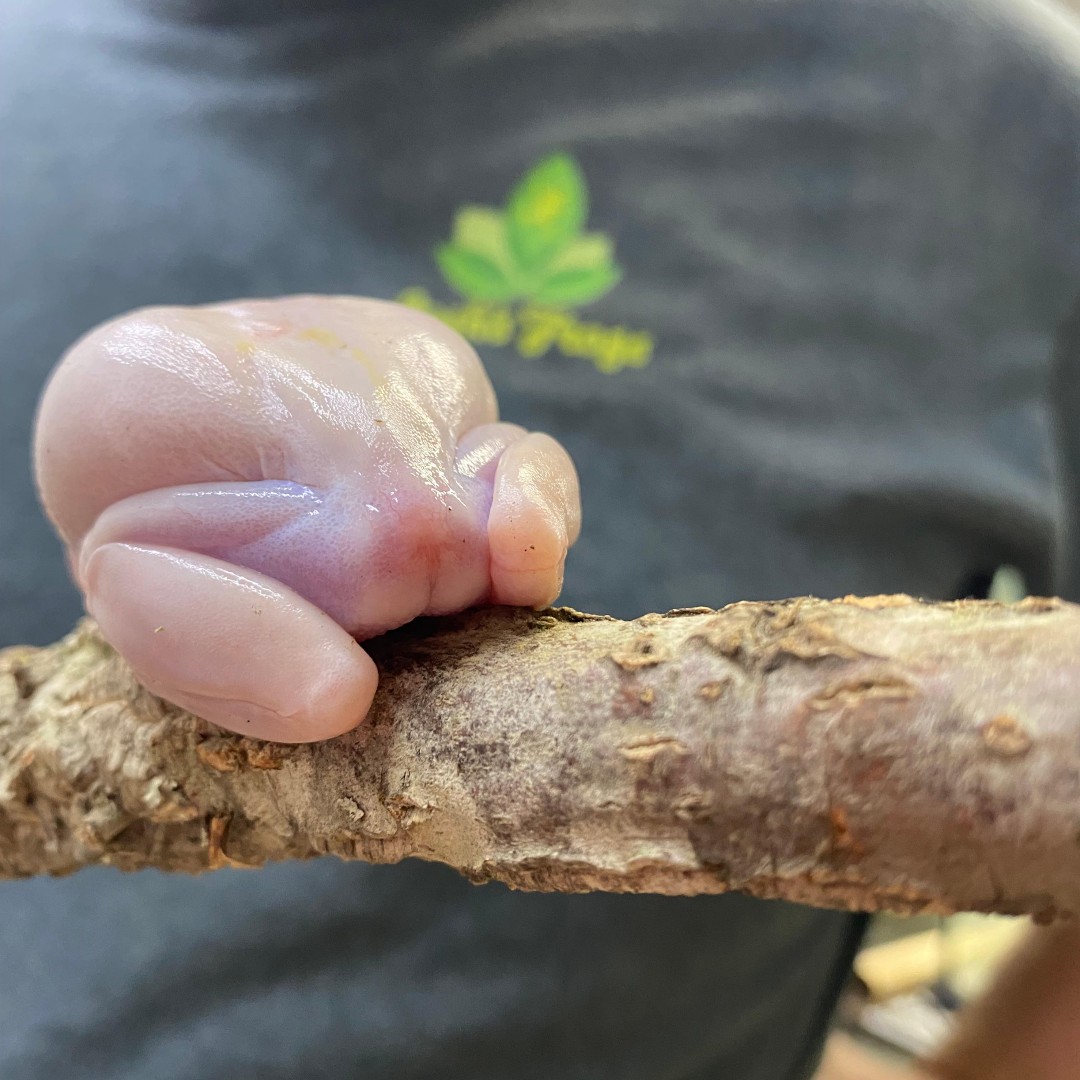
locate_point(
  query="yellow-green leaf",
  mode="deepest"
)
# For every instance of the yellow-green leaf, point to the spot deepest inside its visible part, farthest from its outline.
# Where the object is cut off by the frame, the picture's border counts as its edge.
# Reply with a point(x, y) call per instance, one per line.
point(473, 275)
point(482, 230)
point(546, 209)
point(574, 287)
point(586, 252)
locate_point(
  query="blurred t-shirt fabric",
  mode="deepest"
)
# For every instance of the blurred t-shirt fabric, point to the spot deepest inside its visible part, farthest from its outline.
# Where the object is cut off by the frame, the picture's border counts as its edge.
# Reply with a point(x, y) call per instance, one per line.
point(819, 254)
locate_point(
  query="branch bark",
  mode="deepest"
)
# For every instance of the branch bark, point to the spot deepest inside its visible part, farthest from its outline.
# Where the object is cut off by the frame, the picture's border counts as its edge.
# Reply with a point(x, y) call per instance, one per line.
point(863, 753)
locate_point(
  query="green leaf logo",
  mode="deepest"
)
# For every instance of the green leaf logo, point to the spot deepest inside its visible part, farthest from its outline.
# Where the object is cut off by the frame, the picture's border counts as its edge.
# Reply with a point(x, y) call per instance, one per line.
point(534, 249)
point(545, 210)
point(583, 271)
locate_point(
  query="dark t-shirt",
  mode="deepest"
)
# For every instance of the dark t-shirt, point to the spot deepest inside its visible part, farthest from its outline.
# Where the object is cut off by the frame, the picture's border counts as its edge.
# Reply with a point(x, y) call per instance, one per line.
point(808, 257)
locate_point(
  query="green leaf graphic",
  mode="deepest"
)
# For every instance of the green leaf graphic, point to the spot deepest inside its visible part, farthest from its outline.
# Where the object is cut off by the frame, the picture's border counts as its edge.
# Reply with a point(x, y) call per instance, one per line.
point(586, 252)
point(535, 249)
point(582, 272)
point(572, 288)
point(482, 230)
point(473, 275)
point(546, 208)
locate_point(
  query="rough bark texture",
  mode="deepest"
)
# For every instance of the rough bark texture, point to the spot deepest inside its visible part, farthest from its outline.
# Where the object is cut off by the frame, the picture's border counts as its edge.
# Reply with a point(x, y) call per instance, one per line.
point(874, 753)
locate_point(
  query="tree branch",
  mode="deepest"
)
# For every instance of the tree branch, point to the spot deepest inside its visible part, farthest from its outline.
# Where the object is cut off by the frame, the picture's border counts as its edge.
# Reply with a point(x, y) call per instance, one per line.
point(876, 753)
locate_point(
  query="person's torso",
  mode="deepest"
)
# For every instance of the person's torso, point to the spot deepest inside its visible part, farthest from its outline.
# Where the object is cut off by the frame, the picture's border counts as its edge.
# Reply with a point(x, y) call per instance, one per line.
point(782, 278)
